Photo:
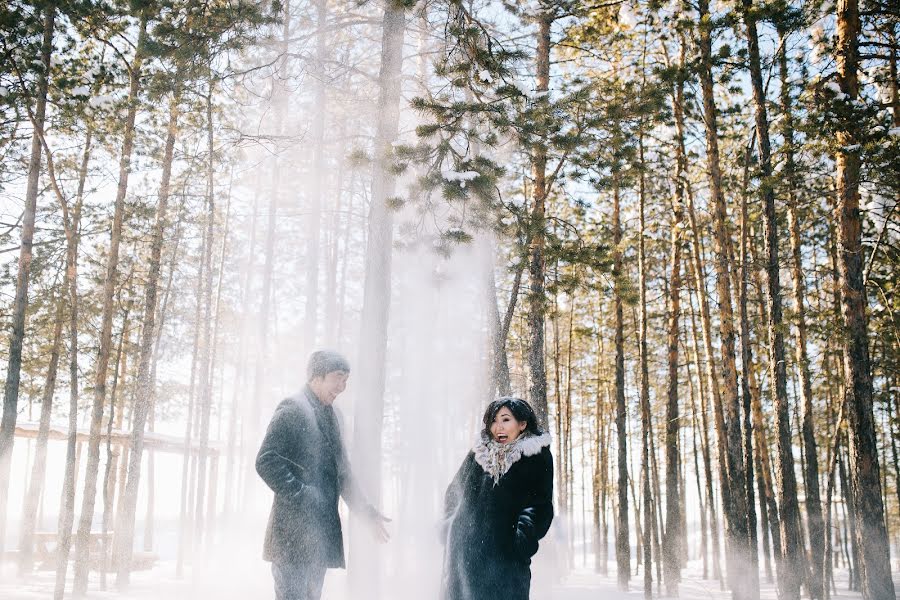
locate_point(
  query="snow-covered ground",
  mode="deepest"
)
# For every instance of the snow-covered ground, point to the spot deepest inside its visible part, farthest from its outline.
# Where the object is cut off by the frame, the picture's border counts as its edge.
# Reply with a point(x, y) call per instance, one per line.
point(225, 578)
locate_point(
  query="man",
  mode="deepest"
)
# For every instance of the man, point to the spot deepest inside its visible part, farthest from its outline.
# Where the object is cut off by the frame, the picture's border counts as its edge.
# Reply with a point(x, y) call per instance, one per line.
point(303, 460)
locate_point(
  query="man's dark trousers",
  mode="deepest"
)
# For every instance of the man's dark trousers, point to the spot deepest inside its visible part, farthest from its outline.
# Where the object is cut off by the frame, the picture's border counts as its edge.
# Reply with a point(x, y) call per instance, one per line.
point(298, 581)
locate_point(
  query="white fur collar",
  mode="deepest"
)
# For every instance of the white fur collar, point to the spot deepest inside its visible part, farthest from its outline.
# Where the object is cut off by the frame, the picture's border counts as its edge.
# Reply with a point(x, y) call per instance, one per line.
point(496, 458)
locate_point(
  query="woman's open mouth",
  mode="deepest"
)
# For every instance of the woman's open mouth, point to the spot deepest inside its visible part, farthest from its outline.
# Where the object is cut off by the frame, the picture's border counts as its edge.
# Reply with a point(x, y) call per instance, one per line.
point(502, 438)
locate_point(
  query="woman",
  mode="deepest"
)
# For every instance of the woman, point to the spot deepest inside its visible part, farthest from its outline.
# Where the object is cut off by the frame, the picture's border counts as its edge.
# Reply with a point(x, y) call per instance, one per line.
point(498, 506)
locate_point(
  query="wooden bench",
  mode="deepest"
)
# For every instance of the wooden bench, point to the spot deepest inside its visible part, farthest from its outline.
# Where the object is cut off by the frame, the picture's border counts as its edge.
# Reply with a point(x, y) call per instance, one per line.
point(46, 544)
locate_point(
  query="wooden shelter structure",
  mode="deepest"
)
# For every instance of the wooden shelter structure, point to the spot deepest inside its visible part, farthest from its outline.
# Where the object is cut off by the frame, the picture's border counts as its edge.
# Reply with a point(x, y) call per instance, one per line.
point(119, 442)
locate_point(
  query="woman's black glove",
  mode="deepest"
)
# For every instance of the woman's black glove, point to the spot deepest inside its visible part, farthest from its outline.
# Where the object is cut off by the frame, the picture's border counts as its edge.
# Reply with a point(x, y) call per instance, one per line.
point(526, 543)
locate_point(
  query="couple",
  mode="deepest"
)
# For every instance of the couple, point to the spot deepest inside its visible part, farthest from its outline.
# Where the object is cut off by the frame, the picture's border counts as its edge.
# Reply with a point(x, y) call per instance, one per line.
point(497, 507)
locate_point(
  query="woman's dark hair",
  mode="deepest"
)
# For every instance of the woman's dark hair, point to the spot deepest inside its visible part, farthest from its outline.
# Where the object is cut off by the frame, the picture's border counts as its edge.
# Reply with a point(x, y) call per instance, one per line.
point(520, 410)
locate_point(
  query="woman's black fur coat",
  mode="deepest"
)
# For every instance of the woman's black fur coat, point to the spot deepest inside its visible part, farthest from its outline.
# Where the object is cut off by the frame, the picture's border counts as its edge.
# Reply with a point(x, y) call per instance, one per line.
point(492, 530)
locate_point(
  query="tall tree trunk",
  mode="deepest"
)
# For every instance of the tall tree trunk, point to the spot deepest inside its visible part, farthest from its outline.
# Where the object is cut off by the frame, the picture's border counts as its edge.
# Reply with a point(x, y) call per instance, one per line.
point(598, 449)
point(832, 467)
point(893, 415)
point(569, 481)
point(71, 222)
point(278, 102)
point(763, 515)
point(585, 435)
point(348, 230)
point(762, 450)
point(114, 421)
point(638, 528)
point(850, 555)
point(149, 522)
point(561, 470)
point(851, 538)
point(813, 502)
point(595, 451)
point(499, 329)
point(673, 540)
point(658, 523)
point(892, 69)
point(337, 252)
point(149, 525)
point(759, 425)
point(189, 460)
point(704, 546)
point(232, 475)
point(770, 533)
point(20, 302)
point(317, 139)
point(536, 368)
point(604, 495)
point(646, 433)
point(216, 352)
point(82, 538)
point(369, 408)
point(208, 346)
point(790, 576)
point(705, 449)
point(865, 470)
point(740, 579)
point(698, 275)
point(746, 367)
point(145, 385)
point(683, 478)
point(673, 537)
point(39, 467)
point(623, 546)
